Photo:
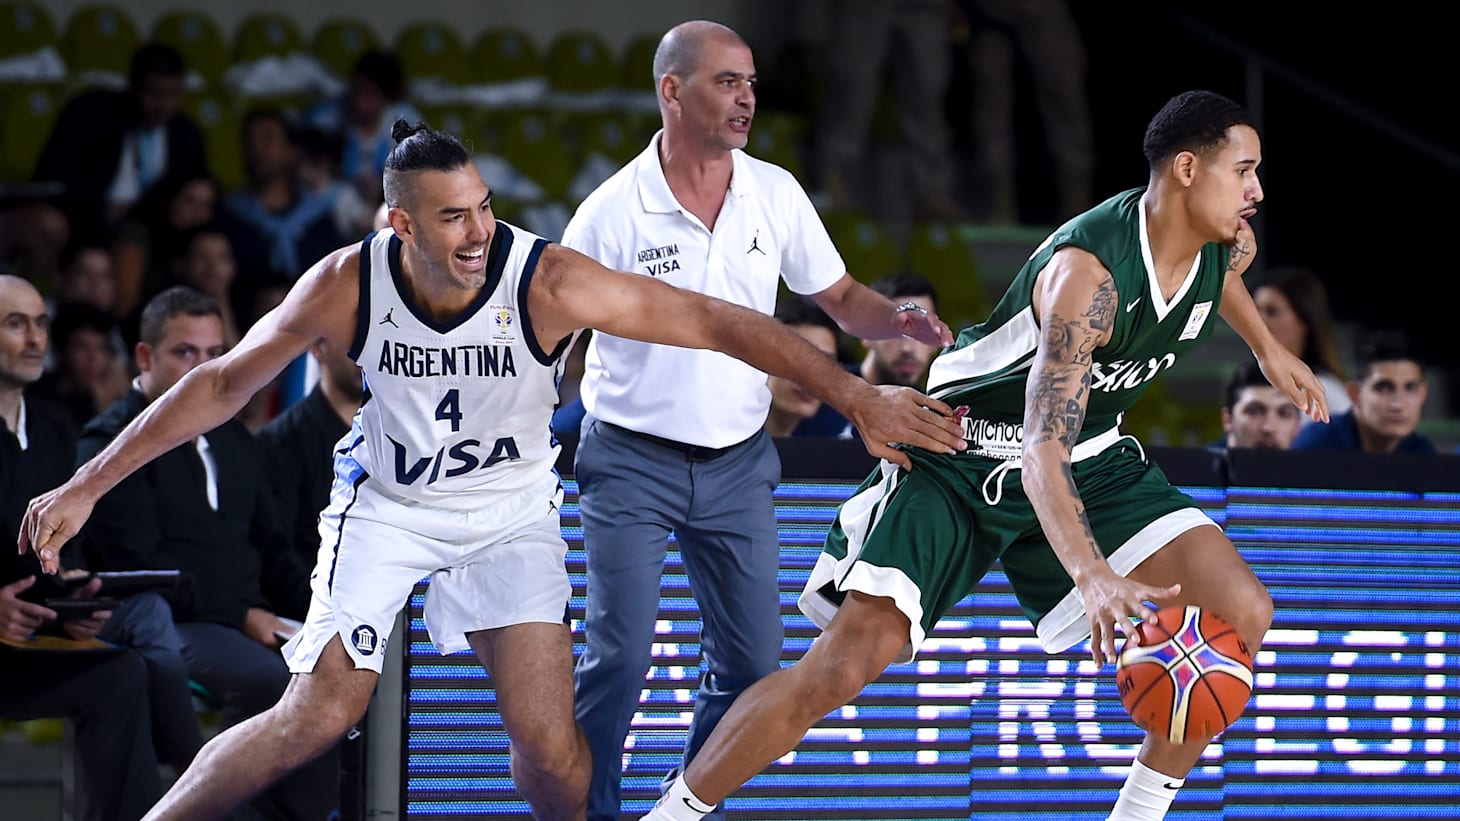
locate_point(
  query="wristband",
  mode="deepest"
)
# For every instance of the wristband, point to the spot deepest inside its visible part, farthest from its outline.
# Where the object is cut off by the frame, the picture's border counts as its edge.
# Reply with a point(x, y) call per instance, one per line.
point(910, 306)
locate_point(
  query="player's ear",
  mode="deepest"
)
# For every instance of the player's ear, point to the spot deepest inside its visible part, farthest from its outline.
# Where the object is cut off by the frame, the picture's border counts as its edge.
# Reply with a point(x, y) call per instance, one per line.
point(1183, 166)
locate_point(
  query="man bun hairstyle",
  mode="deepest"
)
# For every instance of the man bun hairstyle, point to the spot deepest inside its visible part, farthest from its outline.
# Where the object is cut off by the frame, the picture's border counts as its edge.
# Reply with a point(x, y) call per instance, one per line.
point(418, 148)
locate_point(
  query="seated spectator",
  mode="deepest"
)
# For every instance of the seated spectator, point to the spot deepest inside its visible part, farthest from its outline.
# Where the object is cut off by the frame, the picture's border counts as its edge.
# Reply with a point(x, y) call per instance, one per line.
point(202, 508)
point(1388, 397)
point(899, 361)
point(1294, 306)
point(362, 116)
point(86, 276)
point(37, 450)
point(286, 224)
point(146, 241)
point(109, 146)
point(87, 372)
point(206, 263)
point(103, 694)
point(568, 415)
point(792, 404)
point(299, 446)
point(1255, 414)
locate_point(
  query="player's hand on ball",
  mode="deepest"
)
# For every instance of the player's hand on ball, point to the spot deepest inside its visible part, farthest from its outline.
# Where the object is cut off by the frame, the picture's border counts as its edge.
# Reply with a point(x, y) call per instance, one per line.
point(1114, 605)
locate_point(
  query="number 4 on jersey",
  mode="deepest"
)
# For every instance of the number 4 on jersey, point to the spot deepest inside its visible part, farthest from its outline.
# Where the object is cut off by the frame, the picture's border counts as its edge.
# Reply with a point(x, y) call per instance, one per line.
point(450, 409)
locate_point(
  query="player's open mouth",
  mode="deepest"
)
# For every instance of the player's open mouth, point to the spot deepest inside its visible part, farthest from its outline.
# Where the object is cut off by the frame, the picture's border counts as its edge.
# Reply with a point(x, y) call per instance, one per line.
point(740, 122)
point(472, 257)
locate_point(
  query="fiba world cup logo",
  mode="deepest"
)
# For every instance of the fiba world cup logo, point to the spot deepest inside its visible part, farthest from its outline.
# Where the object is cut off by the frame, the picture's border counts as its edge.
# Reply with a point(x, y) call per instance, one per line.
point(504, 320)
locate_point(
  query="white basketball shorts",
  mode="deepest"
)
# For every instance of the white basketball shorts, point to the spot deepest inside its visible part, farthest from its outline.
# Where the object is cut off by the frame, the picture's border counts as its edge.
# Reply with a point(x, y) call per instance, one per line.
point(499, 564)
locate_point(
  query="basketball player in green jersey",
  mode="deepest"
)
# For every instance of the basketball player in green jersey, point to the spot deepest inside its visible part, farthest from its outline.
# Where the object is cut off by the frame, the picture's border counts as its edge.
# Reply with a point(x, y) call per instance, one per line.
point(1088, 531)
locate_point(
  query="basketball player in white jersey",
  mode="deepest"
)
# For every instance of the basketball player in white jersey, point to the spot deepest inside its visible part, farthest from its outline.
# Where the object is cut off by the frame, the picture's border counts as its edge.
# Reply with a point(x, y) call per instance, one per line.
point(458, 323)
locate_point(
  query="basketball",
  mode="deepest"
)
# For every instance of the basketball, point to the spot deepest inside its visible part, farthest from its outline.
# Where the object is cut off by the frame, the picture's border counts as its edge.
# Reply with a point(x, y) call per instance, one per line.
point(1188, 677)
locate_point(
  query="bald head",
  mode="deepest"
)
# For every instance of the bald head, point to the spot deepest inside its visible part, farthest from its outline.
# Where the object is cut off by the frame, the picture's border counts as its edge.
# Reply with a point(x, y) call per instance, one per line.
point(24, 332)
point(679, 51)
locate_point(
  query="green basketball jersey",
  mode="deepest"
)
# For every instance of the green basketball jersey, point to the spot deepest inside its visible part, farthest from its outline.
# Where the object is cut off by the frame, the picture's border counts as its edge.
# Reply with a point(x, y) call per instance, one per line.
point(987, 366)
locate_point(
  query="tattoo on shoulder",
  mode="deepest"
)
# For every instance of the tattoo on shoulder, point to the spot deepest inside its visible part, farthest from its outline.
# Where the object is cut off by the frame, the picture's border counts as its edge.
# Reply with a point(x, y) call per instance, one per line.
point(1102, 307)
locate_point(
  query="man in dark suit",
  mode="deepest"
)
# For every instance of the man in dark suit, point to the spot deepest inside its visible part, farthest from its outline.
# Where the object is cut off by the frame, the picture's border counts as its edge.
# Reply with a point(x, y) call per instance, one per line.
point(108, 145)
point(203, 508)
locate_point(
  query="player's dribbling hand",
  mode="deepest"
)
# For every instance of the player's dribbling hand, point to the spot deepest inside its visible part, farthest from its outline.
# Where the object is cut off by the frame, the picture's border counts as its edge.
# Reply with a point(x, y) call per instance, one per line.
point(1114, 604)
point(900, 414)
point(51, 519)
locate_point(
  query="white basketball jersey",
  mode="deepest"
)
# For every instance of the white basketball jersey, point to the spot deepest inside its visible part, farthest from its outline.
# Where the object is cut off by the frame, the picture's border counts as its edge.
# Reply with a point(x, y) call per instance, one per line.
point(452, 408)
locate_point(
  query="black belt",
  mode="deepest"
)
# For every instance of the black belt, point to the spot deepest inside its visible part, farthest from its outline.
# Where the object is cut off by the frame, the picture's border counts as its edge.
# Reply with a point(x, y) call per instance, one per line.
point(694, 453)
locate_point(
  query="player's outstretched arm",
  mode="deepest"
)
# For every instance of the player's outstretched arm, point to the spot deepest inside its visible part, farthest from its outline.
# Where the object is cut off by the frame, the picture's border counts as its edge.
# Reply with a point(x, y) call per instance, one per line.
point(571, 291)
point(321, 304)
point(1075, 300)
point(1282, 368)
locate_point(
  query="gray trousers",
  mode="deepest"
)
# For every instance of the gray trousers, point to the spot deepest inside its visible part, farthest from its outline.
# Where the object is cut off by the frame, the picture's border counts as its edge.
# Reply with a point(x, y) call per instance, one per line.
point(633, 495)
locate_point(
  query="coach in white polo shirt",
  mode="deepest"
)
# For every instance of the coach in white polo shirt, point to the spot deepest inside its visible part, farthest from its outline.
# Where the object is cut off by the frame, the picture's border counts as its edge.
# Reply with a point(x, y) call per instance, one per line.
point(673, 439)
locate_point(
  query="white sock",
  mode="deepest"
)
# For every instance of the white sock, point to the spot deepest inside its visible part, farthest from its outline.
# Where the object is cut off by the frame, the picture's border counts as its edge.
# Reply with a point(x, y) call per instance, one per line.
point(678, 804)
point(1146, 796)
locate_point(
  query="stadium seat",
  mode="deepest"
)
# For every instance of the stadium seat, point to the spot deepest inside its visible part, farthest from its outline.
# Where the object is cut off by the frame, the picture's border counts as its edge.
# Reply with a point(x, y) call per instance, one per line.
point(940, 253)
point(265, 34)
point(338, 43)
point(25, 28)
point(501, 55)
point(431, 51)
point(637, 66)
point(27, 113)
point(579, 62)
point(776, 137)
point(463, 121)
point(611, 135)
point(219, 122)
point(199, 40)
point(532, 141)
point(866, 247)
point(98, 42)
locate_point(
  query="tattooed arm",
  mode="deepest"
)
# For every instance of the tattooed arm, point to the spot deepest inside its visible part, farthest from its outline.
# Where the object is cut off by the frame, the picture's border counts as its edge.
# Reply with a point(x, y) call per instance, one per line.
point(1075, 301)
point(1282, 368)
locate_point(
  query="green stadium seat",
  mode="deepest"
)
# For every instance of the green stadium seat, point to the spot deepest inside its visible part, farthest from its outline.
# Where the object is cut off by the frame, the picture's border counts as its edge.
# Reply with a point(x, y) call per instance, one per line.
point(266, 34)
point(99, 39)
point(637, 66)
point(942, 254)
point(865, 245)
point(199, 40)
point(218, 119)
point(505, 54)
point(431, 50)
point(532, 141)
point(777, 137)
point(27, 113)
point(338, 43)
point(580, 62)
point(25, 28)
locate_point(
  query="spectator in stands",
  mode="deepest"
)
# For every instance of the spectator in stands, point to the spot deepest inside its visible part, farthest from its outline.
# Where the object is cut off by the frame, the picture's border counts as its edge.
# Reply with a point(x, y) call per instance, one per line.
point(104, 694)
point(897, 361)
point(1255, 414)
point(206, 263)
point(1031, 30)
point(1294, 304)
point(145, 243)
point(86, 276)
point(299, 446)
point(912, 38)
point(289, 226)
point(37, 450)
point(320, 156)
point(203, 509)
point(109, 146)
point(374, 98)
point(88, 372)
point(1388, 395)
point(568, 415)
point(791, 404)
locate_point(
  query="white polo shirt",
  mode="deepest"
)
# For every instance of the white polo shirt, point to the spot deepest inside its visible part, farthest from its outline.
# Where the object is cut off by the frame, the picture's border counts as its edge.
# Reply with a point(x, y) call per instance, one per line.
point(766, 230)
